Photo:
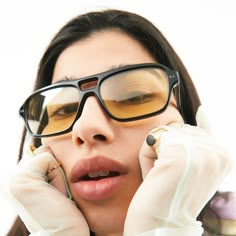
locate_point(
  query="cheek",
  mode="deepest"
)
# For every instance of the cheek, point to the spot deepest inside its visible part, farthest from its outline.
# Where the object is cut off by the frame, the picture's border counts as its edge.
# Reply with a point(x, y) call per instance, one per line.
point(59, 148)
point(170, 115)
point(51, 143)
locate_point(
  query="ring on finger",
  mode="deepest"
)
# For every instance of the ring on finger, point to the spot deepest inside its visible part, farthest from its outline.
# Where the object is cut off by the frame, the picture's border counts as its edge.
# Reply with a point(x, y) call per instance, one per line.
point(58, 164)
point(154, 138)
point(30, 150)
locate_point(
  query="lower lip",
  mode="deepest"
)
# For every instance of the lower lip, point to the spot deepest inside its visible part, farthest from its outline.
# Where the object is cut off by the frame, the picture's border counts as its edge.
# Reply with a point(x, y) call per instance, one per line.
point(97, 190)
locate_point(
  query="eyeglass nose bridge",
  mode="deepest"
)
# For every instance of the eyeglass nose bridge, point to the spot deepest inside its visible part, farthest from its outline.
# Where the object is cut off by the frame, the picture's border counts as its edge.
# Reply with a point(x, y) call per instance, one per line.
point(87, 87)
point(84, 94)
point(88, 84)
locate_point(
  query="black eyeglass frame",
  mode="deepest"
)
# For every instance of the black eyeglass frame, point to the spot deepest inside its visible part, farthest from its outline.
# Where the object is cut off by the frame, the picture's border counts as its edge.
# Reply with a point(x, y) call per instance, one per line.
point(173, 81)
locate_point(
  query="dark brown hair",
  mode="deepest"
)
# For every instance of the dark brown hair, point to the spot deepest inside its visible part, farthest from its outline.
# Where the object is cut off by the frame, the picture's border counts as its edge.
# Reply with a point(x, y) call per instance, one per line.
point(135, 26)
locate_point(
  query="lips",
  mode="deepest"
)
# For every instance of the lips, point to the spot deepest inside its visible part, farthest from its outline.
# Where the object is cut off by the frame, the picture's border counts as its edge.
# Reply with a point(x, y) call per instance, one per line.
point(97, 178)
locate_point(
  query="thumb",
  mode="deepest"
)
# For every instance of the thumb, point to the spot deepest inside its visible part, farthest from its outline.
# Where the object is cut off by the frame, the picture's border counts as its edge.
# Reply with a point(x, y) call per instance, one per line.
point(202, 120)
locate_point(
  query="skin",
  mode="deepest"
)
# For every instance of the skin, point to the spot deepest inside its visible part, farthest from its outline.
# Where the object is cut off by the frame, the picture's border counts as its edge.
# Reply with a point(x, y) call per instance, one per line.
point(98, 53)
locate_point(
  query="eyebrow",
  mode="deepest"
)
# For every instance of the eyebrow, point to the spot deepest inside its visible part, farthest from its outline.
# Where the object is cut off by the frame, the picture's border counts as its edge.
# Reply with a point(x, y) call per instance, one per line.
point(118, 66)
point(66, 78)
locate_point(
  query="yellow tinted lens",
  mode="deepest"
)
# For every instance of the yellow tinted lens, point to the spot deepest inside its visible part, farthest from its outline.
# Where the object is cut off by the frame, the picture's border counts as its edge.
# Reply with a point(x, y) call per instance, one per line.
point(53, 110)
point(136, 93)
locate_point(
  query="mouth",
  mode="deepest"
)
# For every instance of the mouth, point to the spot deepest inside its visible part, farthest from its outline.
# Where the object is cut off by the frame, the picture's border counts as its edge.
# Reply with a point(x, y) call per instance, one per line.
point(97, 178)
point(98, 175)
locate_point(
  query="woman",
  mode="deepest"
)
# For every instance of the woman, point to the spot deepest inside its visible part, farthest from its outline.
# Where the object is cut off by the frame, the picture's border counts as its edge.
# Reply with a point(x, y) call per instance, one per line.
point(132, 84)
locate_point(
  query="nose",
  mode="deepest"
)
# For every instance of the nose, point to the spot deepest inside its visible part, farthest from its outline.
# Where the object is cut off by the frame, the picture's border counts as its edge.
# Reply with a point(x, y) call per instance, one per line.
point(93, 124)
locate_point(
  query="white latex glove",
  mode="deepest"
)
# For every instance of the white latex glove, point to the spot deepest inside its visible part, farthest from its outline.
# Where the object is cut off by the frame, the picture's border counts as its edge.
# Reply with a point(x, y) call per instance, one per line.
point(190, 167)
point(45, 209)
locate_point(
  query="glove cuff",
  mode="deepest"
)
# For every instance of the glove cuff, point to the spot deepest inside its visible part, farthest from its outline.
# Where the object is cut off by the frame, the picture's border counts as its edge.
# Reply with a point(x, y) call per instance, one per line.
point(184, 231)
point(41, 233)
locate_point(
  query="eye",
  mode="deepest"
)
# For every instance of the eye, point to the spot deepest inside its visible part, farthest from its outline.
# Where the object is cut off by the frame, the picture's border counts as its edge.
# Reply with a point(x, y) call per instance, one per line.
point(63, 111)
point(138, 99)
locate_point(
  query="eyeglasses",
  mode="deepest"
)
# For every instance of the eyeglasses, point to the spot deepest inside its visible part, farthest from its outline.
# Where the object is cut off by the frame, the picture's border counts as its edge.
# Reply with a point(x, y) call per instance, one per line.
point(126, 94)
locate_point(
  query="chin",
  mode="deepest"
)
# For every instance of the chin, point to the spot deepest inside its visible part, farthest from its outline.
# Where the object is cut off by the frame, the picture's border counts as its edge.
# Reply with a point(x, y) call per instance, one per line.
point(107, 221)
point(106, 215)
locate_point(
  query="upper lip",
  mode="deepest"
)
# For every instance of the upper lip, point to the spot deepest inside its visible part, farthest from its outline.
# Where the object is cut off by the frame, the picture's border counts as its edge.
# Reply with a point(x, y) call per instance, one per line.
point(83, 167)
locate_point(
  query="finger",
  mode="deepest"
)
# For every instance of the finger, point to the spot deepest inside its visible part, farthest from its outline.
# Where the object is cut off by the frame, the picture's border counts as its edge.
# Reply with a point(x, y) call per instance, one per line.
point(41, 161)
point(202, 120)
point(41, 149)
point(55, 173)
point(148, 153)
point(57, 179)
point(183, 130)
point(32, 151)
point(147, 156)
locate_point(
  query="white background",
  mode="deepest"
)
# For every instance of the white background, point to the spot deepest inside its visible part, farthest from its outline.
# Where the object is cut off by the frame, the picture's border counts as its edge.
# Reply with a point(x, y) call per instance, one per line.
point(202, 32)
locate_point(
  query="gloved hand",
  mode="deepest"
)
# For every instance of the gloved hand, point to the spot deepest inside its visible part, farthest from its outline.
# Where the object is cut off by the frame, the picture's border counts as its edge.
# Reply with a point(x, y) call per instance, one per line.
point(189, 168)
point(41, 197)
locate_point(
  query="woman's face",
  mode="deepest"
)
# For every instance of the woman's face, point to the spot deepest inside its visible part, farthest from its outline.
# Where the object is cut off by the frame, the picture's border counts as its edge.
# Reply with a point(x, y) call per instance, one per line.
point(100, 155)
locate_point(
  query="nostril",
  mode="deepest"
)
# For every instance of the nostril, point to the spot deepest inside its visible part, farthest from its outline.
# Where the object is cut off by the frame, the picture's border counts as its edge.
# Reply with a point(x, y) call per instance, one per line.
point(100, 137)
point(79, 141)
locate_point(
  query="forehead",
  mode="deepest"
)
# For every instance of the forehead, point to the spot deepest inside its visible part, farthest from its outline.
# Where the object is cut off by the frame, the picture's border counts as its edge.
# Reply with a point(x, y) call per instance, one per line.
point(99, 52)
